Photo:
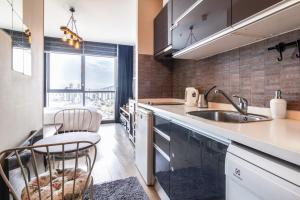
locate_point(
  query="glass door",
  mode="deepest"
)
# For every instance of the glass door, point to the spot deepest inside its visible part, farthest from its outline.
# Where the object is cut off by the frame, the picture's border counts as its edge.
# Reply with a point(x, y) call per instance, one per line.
point(64, 80)
point(99, 87)
point(78, 80)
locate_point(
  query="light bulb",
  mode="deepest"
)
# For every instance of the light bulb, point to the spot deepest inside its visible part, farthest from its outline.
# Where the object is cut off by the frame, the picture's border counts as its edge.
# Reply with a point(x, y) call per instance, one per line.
point(71, 42)
point(77, 45)
point(65, 38)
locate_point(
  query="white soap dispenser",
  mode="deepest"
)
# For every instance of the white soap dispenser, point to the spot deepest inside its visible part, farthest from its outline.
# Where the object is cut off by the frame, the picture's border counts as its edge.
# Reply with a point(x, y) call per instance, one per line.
point(278, 106)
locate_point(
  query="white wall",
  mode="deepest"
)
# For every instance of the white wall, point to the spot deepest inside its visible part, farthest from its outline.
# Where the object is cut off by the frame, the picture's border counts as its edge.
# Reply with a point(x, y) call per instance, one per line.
point(21, 97)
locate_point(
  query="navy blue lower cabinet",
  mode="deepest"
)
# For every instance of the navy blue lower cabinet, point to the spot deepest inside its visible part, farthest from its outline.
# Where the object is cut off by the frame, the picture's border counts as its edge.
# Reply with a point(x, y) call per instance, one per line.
point(197, 166)
point(180, 172)
point(162, 170)
point(162, 124)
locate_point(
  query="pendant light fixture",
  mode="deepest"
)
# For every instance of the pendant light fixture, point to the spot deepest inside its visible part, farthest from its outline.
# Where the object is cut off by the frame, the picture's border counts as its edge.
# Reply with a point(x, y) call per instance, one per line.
point(70, 31)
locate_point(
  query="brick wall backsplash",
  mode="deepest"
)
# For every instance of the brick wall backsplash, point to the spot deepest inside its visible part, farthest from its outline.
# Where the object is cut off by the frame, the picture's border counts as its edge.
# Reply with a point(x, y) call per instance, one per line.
point(251, 71)
point(154, 78)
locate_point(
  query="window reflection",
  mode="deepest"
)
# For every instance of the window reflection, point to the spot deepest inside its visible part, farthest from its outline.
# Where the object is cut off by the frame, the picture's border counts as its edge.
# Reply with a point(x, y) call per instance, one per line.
point(22, 60)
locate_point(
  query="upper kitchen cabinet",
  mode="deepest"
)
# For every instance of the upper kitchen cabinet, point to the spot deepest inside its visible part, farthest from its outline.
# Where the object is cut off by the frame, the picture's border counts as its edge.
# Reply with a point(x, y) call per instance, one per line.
point(252, 21)
point(162, 32)
point(207, 18)
point(242, 9)
point(180, 6)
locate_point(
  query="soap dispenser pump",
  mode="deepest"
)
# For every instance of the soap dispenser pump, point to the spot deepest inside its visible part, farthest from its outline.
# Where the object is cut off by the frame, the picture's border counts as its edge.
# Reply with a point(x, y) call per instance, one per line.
point(278, 106)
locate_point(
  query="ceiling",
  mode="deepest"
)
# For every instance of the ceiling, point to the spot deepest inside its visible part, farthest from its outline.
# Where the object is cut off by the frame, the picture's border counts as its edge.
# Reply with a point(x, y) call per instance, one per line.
point(111, 21)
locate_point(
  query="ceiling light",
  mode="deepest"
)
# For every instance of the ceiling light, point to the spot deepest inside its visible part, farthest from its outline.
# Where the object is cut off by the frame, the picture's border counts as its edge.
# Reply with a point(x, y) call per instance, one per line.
point(71, 42)
point(65, 38)
point(77, 44)
point(70, 31)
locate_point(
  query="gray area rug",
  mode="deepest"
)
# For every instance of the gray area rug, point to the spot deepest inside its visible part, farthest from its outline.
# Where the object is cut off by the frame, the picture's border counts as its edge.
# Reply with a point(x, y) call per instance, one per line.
point(124, 189)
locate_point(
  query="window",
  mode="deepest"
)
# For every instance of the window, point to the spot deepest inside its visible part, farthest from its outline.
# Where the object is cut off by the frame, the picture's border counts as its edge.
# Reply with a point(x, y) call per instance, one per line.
point(22, 60)
point(99, 73)
point(18, 59)
point(103, 101)
point(65, 71)
point(76, 80)
point(100, 76)
point(65, 99)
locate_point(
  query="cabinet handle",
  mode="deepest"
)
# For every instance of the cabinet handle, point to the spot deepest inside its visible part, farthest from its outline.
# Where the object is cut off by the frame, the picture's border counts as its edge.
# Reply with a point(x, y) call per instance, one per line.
point(205, 134)
point(162, 134)
point(174, 26)
point(162, 152)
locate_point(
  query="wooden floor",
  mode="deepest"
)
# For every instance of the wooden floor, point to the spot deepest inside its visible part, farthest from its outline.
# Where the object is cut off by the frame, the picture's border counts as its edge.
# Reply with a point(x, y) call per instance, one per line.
point(115, 159)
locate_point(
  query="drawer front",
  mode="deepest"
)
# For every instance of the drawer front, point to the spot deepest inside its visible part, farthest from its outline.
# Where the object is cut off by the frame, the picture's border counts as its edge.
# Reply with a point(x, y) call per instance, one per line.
point(162, 124)
point(162, 170)
point(196, 158)
point(162, 142)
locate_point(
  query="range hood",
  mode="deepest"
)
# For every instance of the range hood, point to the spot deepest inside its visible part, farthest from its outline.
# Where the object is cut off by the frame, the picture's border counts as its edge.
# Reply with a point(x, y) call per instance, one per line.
point(278, 19)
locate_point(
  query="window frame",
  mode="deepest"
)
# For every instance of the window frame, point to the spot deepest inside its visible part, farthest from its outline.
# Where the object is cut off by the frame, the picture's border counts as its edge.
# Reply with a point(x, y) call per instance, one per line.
point(83, 83)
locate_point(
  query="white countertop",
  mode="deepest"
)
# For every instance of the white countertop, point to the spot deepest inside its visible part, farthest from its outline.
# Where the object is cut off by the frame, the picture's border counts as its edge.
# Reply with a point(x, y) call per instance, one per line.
point(279, 138)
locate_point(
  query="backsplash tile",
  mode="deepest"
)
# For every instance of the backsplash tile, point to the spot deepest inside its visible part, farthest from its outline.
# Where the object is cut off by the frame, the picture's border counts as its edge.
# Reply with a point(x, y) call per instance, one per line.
point(155, 78)
point(251, 71)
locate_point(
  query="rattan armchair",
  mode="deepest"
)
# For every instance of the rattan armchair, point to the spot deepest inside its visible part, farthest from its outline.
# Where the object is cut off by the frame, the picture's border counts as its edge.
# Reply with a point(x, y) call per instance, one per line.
point(67, 182)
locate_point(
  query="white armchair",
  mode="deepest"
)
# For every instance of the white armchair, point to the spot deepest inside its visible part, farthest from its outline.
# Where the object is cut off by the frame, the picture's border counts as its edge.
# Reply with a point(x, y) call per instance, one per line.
point(94, 126)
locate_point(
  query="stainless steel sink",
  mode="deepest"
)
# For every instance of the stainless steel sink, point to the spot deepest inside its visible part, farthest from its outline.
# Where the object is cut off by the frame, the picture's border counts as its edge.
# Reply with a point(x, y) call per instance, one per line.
point(228, 116)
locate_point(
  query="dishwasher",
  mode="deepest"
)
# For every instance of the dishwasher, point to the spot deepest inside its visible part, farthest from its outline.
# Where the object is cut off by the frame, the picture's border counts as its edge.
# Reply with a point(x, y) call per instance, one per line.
point(252, 175)
point(144, 144)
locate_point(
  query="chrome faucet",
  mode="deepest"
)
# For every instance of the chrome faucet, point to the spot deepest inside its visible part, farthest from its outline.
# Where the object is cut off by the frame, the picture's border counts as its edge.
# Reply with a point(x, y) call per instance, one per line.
point(243, 103)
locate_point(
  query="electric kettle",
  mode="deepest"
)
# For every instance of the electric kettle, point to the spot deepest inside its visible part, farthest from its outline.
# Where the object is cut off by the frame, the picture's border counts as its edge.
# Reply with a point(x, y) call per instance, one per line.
point(191, 96)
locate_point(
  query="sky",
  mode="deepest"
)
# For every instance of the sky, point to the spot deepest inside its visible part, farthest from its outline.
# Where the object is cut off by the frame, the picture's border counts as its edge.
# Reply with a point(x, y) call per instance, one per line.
point(65, 69)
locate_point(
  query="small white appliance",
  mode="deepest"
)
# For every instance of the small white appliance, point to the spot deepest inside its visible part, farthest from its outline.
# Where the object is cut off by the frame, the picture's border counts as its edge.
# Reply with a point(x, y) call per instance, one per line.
point(144, 144)
point(251, 175)
point(191, 96)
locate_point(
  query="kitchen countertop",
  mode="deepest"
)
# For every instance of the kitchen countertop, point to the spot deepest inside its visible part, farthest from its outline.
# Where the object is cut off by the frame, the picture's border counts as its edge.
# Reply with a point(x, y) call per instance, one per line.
point(279, 138)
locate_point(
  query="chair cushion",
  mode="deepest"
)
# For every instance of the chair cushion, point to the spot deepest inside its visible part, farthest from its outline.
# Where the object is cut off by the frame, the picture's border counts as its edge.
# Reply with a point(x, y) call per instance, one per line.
point(57, 181)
